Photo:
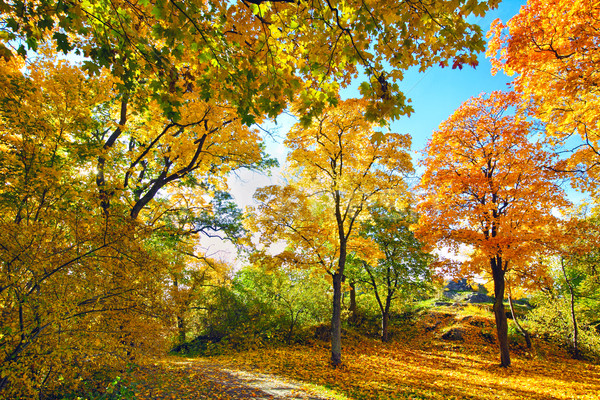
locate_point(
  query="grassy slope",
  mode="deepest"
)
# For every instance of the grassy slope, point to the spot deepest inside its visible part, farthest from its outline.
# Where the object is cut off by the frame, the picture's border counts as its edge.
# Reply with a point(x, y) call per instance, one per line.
point(418, 364)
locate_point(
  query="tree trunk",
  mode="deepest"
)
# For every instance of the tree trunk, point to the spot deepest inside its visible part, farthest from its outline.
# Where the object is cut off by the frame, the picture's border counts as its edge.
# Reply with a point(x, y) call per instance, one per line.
point(499, 312)
point(519, 327)
point(336, 321)
point(181, 328)
point(385, 318)
point(352, 308)
point(180, 319)
point(575, 339)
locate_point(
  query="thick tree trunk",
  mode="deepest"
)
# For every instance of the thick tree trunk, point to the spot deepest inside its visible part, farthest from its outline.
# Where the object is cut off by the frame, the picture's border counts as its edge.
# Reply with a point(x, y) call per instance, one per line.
point(499, 312)
point(336, 321)
point(385, 318)
point(519, 327)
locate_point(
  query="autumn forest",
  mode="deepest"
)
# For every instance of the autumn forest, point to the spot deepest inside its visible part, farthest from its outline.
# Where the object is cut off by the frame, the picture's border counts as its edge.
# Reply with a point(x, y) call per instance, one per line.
point(467, 271)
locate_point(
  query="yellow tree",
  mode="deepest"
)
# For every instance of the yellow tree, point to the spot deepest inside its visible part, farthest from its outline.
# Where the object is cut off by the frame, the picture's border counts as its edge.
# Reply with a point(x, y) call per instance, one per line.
point(552, 47)
point(486, 185)
point(255, 56)
point(78, 204)
point(340, 164)
point(73, 284)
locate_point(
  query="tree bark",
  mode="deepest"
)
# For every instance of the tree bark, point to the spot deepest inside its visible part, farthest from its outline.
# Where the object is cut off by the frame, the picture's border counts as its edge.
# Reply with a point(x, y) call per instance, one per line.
point(352, 307)
point(519, 327)
point(181, 328)
point(499, 312)
point(338, 276)
point(336, 321)
point(385, 318)
point(575, 338)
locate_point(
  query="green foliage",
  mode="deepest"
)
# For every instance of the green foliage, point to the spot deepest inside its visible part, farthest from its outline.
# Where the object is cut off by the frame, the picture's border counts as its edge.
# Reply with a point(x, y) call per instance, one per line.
point(260, 306)
point(402, 272)
point(551, 321)
point(116, 388)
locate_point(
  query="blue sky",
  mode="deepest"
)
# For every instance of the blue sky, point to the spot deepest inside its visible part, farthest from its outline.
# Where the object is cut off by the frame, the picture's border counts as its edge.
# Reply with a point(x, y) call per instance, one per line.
point(437, 92)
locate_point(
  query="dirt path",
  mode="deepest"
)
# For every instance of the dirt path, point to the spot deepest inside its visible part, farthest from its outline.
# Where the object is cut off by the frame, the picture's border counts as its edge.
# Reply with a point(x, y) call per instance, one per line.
point(178, 378)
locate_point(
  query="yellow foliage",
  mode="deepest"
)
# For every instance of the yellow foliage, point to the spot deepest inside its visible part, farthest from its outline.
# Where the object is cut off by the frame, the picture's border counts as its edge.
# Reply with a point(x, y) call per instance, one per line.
point(427, 369)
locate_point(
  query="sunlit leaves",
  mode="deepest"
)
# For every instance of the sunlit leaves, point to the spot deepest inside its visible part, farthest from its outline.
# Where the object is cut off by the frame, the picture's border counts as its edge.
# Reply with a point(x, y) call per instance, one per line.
point(257, 56)
point(486, 183)
point(425, 368)
point(80, 279)
point(338, 165)
point(552, 47)
point(488, 186)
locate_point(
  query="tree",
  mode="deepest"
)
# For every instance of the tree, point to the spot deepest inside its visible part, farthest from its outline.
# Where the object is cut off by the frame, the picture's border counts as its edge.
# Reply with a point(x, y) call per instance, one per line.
point(289, 297)
point(73, 260)
point(255, 56)
point(552, 47)
point(486, 185)
point(78, 290)
point(190, 267)
point(341, 164)
point(578, 277)
point(404, 267)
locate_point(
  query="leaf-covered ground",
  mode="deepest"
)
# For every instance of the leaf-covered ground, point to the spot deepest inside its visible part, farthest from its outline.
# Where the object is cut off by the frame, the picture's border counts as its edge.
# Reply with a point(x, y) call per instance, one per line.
point(181, 378)
point(418, 366)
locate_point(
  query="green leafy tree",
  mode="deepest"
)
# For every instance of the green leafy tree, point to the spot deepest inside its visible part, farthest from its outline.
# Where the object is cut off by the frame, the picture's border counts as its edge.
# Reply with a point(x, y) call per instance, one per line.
point(403, 269)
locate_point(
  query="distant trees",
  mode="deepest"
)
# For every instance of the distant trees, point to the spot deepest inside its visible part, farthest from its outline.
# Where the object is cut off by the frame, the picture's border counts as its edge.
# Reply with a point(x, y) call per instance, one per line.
point(487, 185)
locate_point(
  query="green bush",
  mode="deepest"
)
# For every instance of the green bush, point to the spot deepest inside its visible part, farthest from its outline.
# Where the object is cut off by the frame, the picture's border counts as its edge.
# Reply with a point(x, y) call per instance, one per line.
point(259, 307)
point(551, 320)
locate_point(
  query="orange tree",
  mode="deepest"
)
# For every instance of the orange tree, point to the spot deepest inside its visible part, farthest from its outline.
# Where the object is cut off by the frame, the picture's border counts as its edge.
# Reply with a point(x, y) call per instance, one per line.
point(340, 164)
point(552, 47)
point(486, 185)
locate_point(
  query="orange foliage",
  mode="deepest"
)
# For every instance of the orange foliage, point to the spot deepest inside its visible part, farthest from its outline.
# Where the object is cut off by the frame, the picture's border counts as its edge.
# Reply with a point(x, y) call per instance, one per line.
point(487, 185)
point(552, 47)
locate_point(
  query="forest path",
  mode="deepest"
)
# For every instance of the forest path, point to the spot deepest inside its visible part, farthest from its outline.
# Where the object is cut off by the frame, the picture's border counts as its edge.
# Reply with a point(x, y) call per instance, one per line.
point(198, 378)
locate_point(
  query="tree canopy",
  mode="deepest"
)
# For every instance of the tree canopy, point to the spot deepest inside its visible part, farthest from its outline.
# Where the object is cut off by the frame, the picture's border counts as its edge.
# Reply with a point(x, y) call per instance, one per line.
point(552, 48)
point(254, 56)
point(340, 165)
